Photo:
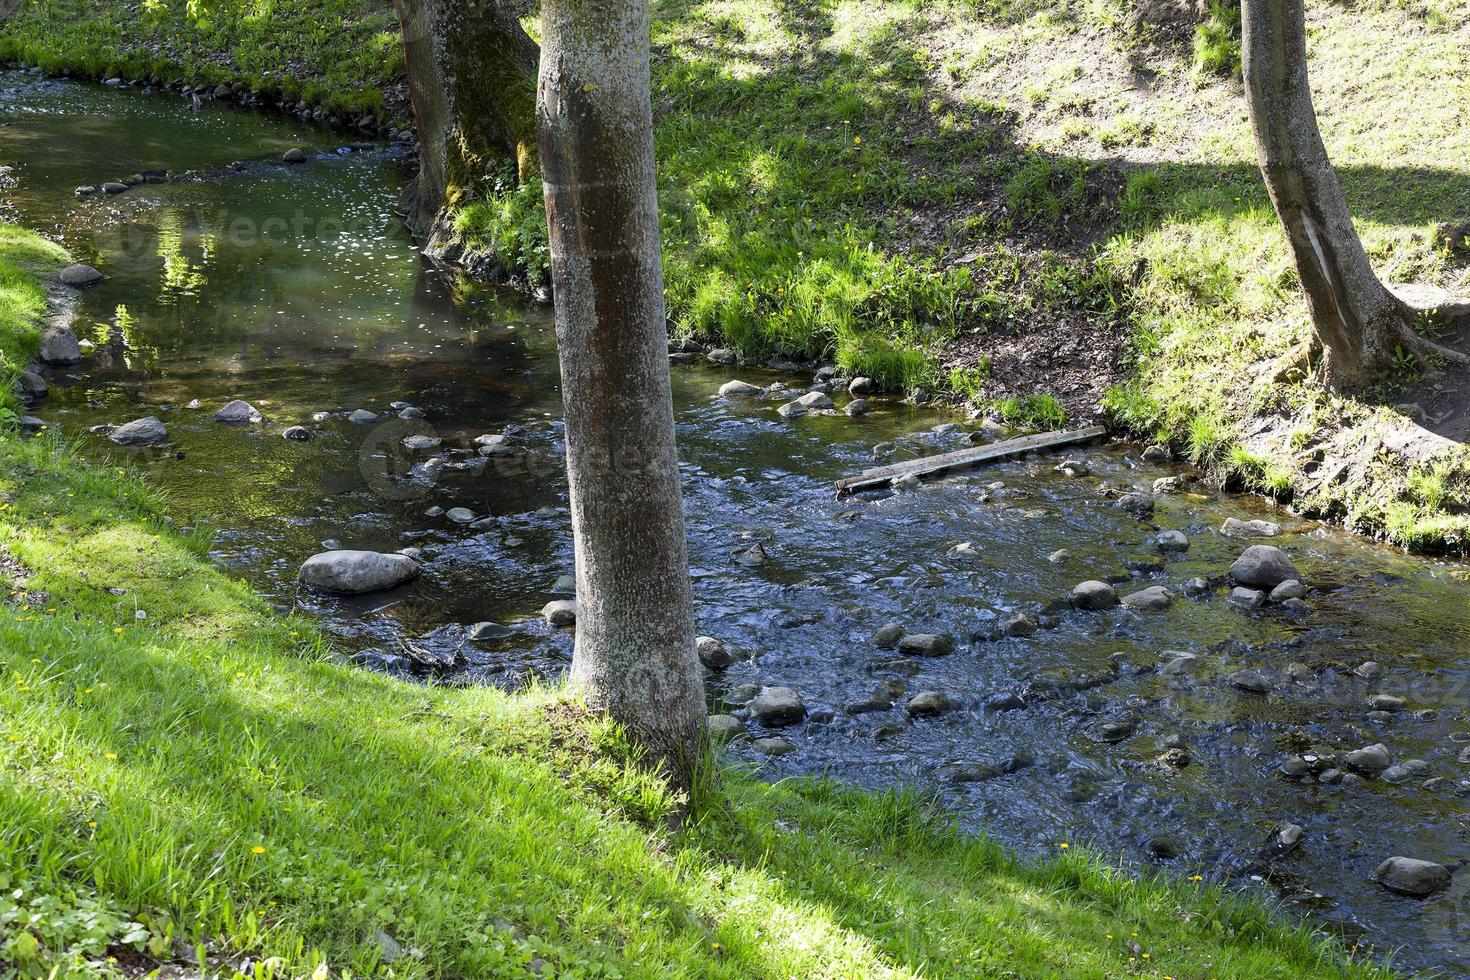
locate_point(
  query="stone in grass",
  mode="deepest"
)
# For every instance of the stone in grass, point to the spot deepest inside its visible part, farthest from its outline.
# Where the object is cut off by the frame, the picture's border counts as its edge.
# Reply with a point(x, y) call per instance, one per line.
point(362, 416)
point(1094, 595)
point(777, 706)
point(722, 728)
point(1411, 876)
point(140, 432)
point(926, 644)
point(355, 572)
point(560, 612)
point(297, 433)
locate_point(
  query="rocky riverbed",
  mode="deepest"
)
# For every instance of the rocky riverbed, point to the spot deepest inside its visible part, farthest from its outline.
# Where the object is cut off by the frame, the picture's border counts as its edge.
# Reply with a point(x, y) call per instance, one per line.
point(1089, 646)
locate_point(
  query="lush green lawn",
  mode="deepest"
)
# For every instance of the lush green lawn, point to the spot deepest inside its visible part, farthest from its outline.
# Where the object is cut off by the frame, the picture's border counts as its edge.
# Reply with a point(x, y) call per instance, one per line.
point(24, 257)
point(185, 774)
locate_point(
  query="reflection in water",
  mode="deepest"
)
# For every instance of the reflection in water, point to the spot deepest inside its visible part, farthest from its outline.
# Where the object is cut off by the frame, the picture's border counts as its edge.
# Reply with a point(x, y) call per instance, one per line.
point(296, 290)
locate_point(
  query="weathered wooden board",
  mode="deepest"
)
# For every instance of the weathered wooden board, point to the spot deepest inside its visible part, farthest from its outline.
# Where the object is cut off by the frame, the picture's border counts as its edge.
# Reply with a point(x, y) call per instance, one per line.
point(966, 458)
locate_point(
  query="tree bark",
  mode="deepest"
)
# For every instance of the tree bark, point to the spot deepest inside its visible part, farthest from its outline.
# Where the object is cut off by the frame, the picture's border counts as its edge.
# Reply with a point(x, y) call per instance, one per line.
point(1359, 324)
point(472, 81)
point(634, 656)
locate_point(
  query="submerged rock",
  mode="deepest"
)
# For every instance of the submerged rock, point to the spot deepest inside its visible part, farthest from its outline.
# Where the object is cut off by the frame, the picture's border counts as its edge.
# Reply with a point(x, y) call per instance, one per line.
point(887, 636)
point(1411, 876)
point(140, 432)
point(79, 275)
point(1152, 599)
point(753, 556)
point(926, 644)
point(931, 703)
point(294, 155)
point(1250, 680)
point(355, 572)
point(1171, 541)
point(774, 746)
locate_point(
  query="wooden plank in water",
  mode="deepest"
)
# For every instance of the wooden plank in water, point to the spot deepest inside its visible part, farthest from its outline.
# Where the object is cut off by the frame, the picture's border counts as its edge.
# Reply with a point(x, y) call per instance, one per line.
point(966, 458)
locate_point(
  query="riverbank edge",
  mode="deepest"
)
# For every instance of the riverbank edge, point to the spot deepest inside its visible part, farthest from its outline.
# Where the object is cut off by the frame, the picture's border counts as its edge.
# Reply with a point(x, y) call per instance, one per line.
point(887, 841)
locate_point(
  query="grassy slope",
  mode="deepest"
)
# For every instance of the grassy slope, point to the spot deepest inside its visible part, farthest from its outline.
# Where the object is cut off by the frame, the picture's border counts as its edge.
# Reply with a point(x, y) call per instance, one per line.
point(184, 774)
point(24, 257)
point(340, 54)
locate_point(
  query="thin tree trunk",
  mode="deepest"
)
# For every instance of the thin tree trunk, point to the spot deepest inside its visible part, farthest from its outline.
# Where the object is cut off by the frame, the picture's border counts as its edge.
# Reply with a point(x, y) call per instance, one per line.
point(634, 654)
point(472, 80)
point(1358, 322)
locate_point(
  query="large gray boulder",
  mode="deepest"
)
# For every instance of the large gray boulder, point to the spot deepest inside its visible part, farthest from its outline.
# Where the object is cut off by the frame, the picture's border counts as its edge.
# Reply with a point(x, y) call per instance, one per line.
point(1263, 566)
point(59, 345)
point(354, 572)
point(79, 275)
point(140, 432)
point(1410, 876)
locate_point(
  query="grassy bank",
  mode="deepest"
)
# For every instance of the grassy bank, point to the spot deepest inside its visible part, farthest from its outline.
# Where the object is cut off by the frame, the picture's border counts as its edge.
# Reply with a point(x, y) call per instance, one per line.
point(25, 258)
point(342, 55)
point(188, 778)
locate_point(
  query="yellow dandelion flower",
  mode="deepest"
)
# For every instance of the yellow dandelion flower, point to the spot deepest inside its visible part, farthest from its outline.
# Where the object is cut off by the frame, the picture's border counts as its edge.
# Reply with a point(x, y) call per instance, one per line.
point(112, 756)
point(257, 849)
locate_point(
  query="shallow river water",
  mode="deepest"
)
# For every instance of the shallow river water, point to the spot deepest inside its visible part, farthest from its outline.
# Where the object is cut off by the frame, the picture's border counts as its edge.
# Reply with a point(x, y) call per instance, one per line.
point(296, 289)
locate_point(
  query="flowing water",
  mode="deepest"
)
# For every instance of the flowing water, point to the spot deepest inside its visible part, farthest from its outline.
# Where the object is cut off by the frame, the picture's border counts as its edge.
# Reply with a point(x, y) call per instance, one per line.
point(296, 289)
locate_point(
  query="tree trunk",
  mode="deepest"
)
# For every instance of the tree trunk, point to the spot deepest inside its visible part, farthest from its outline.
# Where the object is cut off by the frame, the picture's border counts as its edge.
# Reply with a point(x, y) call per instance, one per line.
point(472, 81)
point(634, 655)
point(1357, 321)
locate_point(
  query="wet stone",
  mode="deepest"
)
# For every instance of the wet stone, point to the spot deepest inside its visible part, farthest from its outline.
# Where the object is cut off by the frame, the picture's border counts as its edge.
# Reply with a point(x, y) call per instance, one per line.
point(1059, 557)
point(1386, 702)
point(1152, 599)
point(1173, 542)
point(926, 644)
point(560, 612)
point(1372, 759)
point(1411, 876)
point(1020, 625)
point(1114, 730)
point(1094, 595)
point(1262, 566)
point(297, 433)
point(777, 706)
point(1178, 662)
point(1250, 680)
point(238, 412)
point(1137, 504)
point(1290, 589)
point(712, 653)
point(722, 728)
point(979, 772)
point(740, 389)
point(1233, 528)
point(932, 703)
point(887, 636)
point(140, 432)
point(1247, 598)
point(774, 746)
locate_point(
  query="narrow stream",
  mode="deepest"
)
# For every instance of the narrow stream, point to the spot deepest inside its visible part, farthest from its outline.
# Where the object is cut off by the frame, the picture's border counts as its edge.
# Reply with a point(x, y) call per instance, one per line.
point(296, 289)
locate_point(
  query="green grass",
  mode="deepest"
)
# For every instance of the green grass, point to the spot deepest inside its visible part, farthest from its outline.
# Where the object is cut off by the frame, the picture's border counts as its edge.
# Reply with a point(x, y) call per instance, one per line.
point(337, 54)
point(187, 777)
point(24, 256)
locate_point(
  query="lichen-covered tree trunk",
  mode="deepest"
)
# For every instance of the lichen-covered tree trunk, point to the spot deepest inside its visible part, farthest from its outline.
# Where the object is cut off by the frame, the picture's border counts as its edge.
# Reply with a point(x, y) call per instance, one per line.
point(634, 656)
point(1358, 322)
point(472, 80)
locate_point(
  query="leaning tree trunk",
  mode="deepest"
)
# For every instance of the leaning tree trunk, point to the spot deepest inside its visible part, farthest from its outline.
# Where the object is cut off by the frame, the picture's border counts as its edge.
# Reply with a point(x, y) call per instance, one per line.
point(634, 655)
point(1358, 322)
point(472, 80)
